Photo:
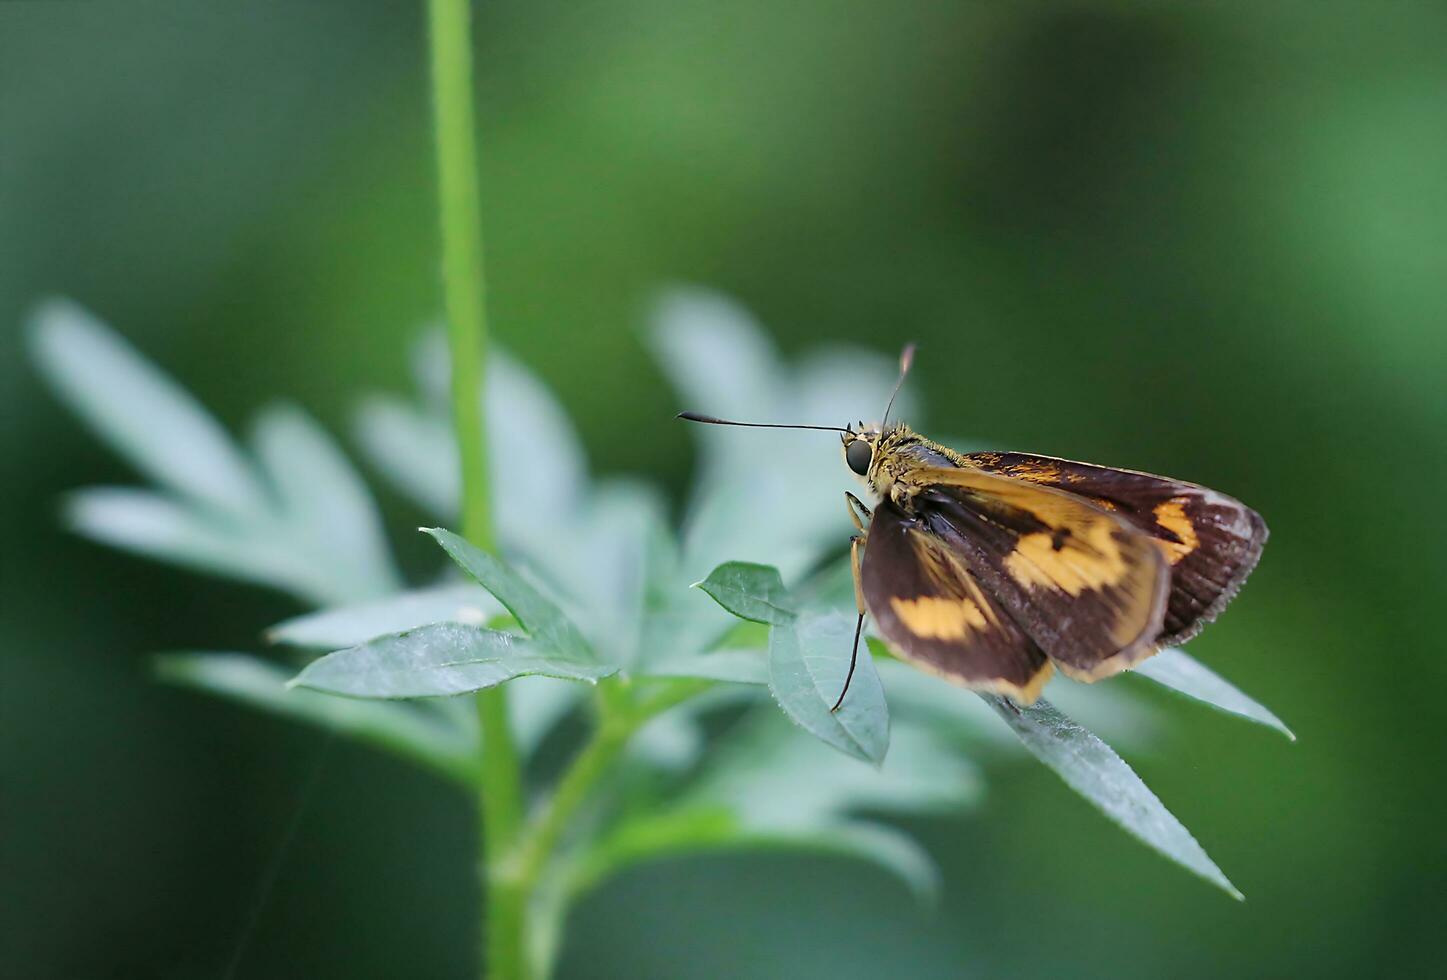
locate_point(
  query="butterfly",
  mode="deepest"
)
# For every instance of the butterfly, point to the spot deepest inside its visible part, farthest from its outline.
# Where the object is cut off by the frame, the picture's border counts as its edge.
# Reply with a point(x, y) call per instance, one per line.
point(994, 569)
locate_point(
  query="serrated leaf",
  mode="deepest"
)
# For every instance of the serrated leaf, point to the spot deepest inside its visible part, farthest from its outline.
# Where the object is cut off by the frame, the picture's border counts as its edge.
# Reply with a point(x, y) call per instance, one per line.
point(399, 728)
point(354, 623)
point(1092, 769)
point(439, 661)
point(750, 591)
point(1180, 672)
point(538, 615)
point(141, 412)
point(326, 508)
point(808, 664)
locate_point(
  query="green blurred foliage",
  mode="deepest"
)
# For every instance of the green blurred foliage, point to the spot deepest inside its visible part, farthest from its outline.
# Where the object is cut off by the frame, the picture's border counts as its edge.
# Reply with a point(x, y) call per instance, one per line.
point(1207, 241)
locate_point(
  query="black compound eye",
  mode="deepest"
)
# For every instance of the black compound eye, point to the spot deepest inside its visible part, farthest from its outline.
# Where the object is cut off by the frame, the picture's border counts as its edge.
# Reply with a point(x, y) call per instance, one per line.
point(858, 455)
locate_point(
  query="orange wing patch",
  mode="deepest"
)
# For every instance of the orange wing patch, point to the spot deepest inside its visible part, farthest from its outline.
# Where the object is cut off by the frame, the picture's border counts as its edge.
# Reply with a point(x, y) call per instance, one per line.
point(1171, 515)
point(936, 618)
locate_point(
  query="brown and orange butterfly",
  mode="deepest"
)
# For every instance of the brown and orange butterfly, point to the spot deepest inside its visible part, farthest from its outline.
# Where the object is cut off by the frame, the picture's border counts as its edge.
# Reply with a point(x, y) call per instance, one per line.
point(992, 569)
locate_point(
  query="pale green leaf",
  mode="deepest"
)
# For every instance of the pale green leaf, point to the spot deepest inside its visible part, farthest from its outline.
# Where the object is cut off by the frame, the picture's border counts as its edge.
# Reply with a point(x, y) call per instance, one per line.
point(808, 664)
point(1180, 672)
point(1092, 769)
point(158, 527)
point(413, 449)
point(768, 775)
point(141, 412)
point(438, 661)
point(401, 728)
point(701, 831)
point(354, 623)
point(538, 615)
point(734, 666)
point(749, 591)
point(327, 510)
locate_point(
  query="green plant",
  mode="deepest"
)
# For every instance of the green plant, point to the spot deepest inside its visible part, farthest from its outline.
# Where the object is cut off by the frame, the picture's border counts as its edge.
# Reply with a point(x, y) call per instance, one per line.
point(587, 613)
point(591, 615)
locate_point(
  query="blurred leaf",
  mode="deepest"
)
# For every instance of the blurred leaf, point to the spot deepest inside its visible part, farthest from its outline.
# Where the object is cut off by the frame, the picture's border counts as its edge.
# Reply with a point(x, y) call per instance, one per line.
point(535, 705)
point(152, 525)
point(438, 661)
point(543, 620)
point(412, 449)
point(699, 831)
point(399, 728)
point(749, 591)
point(723, 364)
point(143, 414)
point(1092, 769)
point(736, 666)
point(598, 561)
point(671, 741)
point(1180, 672)
point(525, 422)
point(323, 501)
point(768, 775)
point(808, 662)
point(349, 625)
point(413, 445)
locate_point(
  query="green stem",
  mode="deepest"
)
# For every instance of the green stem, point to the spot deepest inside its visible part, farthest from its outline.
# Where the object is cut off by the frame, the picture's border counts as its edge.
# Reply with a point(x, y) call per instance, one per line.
point(616, 726)
point(500, 783)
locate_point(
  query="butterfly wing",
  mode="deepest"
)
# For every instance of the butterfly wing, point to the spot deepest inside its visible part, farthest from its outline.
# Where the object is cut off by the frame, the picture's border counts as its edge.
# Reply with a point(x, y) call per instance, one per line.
point(936, 613)
point(1211, 540)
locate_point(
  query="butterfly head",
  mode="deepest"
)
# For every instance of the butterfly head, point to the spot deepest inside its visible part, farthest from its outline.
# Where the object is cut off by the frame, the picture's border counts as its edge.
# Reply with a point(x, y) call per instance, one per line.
point(867, 449)
point(859, 447)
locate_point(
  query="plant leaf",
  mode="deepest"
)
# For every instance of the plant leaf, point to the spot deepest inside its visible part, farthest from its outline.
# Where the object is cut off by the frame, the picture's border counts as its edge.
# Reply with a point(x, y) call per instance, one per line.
point(808, 662)
point(153, 525)
point(413, 449)
point(440, 660)
point(399, 728)
point(749, 591)
point(734, 666)
point(327, 509)
point(141, 412)
point(1092, 769)
point(543, 620)
point(770, 777)
point(1181, 672)
point(349, 625)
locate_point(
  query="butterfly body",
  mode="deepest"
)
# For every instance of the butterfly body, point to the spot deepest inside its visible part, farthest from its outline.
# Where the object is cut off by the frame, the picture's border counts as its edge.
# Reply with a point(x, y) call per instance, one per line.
point(994, 569)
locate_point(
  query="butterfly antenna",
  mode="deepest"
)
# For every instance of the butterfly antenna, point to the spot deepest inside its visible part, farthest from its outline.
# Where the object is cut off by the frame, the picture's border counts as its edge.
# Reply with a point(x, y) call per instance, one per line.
point(906, 358)
point(710, 420)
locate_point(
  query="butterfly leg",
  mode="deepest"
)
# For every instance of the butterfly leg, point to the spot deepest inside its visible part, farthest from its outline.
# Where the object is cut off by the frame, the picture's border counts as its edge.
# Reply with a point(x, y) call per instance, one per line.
point(854, 559)
point(858, 513)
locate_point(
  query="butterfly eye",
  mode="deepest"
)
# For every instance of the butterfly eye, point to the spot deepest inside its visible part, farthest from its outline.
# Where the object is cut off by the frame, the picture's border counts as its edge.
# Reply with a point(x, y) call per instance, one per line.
point(858, 455)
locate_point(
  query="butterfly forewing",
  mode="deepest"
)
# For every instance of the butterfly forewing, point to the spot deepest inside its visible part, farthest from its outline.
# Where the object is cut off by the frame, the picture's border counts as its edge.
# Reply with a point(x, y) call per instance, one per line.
point(1211, 540)
point(937, 614)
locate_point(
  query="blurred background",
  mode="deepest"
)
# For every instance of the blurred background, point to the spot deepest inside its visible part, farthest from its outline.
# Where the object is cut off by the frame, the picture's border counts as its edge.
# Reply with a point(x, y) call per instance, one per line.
point(1206, 241)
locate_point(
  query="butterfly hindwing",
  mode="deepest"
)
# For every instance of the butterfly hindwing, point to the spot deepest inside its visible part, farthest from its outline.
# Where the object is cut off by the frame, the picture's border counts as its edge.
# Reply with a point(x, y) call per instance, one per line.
point(1086, 586)
point(935, 613)
point(1211, 540)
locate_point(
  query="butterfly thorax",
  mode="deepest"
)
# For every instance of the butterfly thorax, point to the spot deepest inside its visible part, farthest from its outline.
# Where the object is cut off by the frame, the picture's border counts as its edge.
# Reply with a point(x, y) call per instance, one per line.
point(899, 454)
